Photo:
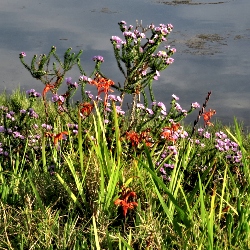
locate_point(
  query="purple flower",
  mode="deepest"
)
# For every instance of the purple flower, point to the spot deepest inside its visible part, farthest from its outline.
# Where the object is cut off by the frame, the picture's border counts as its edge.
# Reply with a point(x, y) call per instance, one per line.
point(163, 112)
point(119, 110)
point(2, 129)
point(162, 170)
point(32, 113)
point(16, 134)
point(33, 93)
point(74, 85)
point(178, 107)
point(195, 105)
point(70, 83)
point(184, 134)
point(46, 126)
point(150, 111)
point(161, 53)
point(169, 60)
point(22, 111)
point(206, 135)
point(30, 91)
point(114, 98)
point(55, 98)
point(68, 80)
point(140, 106)
point(157, 73)
point(173, 50)
point(200, 130)
point(122, 22)
point(22, 54)
point(144, 72)
point(161, 105)
point(166, 165)
point(35, 126)
point(184, 112)
point(61, 98)
point(116, 39)
point(85, 78)
point(98, 58)
point(175, 97)
point(164, 31)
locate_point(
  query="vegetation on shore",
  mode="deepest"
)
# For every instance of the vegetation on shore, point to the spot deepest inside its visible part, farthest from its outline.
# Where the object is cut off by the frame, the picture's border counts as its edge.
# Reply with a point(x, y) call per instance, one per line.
point(89, 174)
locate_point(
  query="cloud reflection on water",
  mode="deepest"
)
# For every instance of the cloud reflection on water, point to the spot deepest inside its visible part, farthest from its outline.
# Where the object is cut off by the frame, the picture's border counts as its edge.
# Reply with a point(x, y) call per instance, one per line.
point(34, 26)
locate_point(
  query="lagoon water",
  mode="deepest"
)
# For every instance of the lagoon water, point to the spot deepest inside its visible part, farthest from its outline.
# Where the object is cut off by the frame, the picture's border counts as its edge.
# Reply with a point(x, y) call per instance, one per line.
point(212, 38)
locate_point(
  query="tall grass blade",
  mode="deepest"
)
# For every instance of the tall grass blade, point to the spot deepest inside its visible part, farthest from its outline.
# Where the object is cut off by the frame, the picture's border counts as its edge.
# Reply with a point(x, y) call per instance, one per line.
point(96, 234)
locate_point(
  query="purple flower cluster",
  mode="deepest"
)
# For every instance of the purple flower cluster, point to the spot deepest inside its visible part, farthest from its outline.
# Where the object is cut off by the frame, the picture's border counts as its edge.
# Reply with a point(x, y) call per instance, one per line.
point(166, 168)
point(33, 93)
point(70, 83)
point(119, 110)
point(10, 115)
point(224, 144)
point(17, 134)
point(46, 126)
point(73, 127)
point(114, 98)
point(32, 113)
point(85, 78)
point(165, 56)
point(2, 151)
point(134, 35)
point(195, 105)
point(140, 107)
point(56, 98)
point(204, 133)
point(33, 140)
point(160, 105)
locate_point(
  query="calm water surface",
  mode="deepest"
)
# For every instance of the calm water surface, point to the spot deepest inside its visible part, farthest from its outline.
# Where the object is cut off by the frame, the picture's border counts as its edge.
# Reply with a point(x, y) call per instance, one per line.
point(212, 39)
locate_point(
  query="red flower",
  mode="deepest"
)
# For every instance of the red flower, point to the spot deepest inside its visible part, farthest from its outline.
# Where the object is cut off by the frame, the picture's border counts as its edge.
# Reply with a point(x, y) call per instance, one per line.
point(86, 108)
point(103, 86)
point(146, 137)
point(168, 132)
point(47, 88)
point(134, 138)
point(125, 194)
point(207, 116)
point(57, 137)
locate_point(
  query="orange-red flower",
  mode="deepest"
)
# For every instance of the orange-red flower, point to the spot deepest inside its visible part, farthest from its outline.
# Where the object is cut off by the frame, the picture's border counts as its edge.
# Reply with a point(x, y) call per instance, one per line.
point(207, 116)
point(125, 196)
point(57, 137)
point(145, 136)
point(47, 88)
point(168, 132)
point(133, 137)
point(103, 86)
point(86, 108)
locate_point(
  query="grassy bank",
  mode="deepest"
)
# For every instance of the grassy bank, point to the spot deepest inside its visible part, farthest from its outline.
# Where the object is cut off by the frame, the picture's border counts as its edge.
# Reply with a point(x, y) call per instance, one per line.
point(72, 181)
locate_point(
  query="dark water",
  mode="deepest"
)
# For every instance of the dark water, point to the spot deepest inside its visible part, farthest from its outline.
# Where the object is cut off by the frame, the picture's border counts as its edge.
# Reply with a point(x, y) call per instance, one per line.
point(212, 39)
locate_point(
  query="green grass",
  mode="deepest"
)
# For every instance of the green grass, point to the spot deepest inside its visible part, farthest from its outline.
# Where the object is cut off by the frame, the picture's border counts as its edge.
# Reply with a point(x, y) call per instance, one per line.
point(62, 196)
